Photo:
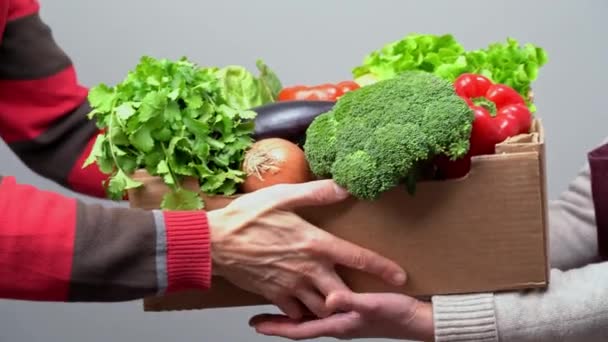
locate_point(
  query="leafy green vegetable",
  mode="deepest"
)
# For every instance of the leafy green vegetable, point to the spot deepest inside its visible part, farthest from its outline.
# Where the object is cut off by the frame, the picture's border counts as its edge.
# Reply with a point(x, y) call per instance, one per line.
point(503, 62)
point(175, 119)
point(509, 63)
point(414, 52)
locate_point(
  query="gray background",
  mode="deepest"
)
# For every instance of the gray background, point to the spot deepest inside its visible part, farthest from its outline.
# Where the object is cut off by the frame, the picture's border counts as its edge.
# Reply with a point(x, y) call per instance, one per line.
point(305, 42)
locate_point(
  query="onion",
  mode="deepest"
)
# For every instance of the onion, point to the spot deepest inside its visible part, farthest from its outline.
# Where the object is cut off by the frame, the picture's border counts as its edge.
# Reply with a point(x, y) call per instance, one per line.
point(274, 161)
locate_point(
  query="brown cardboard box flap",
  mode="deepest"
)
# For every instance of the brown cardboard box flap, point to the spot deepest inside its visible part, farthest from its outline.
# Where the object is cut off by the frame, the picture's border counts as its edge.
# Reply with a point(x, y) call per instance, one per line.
point(483, 232)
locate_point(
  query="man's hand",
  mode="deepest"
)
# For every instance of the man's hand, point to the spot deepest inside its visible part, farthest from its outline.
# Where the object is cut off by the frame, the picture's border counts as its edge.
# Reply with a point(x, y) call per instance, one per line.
point(369, 315)
point(261, 246)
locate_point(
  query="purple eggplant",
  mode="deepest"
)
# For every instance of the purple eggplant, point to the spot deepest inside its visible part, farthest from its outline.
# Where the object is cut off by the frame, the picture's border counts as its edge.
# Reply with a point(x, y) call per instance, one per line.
point(288, 119)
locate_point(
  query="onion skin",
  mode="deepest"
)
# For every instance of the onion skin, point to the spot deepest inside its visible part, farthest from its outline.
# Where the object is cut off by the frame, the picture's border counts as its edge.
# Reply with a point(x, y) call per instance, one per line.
point(274, 161)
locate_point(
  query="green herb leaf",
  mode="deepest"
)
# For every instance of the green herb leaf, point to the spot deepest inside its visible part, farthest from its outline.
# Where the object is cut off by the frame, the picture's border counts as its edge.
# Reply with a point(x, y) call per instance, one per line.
point(119, 183)
point(101, 98)
point(125, 110)
point(176, 119)
point(182, 199)
point(96, 151)
point(142, 139)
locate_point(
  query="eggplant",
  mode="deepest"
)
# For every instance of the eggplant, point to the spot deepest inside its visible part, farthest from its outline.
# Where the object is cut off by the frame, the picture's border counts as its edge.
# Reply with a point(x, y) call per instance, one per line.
point(288, 119)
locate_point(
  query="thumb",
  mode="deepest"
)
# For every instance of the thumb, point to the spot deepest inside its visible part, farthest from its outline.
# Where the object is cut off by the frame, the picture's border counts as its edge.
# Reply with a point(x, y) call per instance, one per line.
point(319, 192)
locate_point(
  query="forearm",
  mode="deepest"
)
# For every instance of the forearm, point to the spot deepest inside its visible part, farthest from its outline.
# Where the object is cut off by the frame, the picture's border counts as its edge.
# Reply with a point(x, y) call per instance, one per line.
point(574, 308)
point(43, 108)
point(54, 248)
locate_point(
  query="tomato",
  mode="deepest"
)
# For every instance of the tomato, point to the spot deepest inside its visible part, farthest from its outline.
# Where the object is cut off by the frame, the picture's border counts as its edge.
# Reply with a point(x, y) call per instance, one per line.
point(321, 92)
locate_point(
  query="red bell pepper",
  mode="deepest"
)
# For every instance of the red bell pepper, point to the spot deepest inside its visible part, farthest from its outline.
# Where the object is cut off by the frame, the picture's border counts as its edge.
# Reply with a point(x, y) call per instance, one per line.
point(500, 113)
point(321, 92)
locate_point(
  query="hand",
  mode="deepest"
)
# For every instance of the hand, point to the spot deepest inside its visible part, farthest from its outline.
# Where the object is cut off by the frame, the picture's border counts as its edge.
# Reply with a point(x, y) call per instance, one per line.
point(260, 246)
point(368, 315)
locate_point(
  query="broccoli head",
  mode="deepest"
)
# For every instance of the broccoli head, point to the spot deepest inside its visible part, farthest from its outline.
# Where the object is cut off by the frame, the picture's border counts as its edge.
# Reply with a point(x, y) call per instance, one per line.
point(380, 135)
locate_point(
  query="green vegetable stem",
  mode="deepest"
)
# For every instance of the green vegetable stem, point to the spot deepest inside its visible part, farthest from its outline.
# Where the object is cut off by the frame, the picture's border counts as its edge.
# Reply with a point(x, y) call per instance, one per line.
point(175, 119)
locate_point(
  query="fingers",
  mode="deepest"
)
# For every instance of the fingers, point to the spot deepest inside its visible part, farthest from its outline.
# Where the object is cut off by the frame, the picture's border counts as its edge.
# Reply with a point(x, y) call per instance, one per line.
point(290, 307)
point(350, 255)
point(271, 318)
point(289, 196)
point(314, 302)
point(349, 301)
point(372, 304)
point(330, 282)
point(337, 326)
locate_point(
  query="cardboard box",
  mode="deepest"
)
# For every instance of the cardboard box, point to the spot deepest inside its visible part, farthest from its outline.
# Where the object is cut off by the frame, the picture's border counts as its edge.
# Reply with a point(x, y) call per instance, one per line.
point(483, 232)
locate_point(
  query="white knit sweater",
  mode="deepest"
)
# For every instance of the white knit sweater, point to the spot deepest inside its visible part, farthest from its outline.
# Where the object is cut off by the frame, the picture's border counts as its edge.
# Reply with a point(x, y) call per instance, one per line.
point(573, 308)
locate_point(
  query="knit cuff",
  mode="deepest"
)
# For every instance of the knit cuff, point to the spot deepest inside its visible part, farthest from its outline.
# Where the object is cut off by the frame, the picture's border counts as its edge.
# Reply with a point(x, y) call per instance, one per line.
point(465, 318)
point(188, 251)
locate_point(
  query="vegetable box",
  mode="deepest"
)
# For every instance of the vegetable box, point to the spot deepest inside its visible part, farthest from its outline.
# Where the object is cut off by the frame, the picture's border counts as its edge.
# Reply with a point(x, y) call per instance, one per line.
point(486, 231)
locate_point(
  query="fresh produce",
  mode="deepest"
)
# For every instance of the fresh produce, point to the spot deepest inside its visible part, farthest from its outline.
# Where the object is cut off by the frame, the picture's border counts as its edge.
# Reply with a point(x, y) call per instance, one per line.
point(500, 112)
point(274, 161)
point(321, 92)
point(506, 63)
point(438, 54)
point(175, 119)
point(385, 133)
point(288, 120)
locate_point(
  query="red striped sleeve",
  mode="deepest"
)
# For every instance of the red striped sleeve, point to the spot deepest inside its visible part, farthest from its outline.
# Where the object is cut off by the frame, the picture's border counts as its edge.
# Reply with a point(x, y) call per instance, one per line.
point(188, 258)
point(36, 242)
point(3, 17)
point(55, 248)
point(43, 106)
point(22, 8)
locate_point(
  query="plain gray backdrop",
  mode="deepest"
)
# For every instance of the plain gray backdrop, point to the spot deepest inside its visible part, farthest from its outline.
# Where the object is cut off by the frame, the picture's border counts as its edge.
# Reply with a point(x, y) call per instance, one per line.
point(305, 42)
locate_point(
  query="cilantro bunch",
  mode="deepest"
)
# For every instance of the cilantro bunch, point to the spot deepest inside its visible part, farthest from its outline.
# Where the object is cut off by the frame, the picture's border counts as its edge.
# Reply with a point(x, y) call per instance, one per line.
point(175, 119)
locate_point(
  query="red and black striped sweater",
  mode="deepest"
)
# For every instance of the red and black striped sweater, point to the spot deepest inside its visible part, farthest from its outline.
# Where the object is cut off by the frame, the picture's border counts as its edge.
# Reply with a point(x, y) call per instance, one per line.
point(56, 248)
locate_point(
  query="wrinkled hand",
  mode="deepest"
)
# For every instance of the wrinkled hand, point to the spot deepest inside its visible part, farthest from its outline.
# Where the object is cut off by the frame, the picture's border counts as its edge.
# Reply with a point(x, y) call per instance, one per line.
point(259, 245)
point(368, 315)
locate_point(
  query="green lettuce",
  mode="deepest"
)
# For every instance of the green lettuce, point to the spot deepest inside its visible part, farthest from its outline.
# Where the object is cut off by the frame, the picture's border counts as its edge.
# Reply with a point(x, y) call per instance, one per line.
point(505, 62)
point(414, 52)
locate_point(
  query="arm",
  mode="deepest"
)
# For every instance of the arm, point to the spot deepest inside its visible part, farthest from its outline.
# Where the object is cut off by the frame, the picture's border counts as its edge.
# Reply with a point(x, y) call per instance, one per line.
point(55, 248)
point(575, 307)
point(42, 106)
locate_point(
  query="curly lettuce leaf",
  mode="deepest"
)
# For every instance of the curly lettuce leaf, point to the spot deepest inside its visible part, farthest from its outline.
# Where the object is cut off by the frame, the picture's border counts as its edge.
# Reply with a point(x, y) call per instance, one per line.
point(414, 52)
point(509, 63)
point(505, 62)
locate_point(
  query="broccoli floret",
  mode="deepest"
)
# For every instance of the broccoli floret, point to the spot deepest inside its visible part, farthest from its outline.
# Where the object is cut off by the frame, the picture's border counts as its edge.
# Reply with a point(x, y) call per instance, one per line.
point(322, 144)
point(380, 135)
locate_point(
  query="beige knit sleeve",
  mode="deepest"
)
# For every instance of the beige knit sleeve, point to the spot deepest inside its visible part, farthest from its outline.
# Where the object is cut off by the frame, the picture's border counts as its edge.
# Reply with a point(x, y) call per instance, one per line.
point(574, 307)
